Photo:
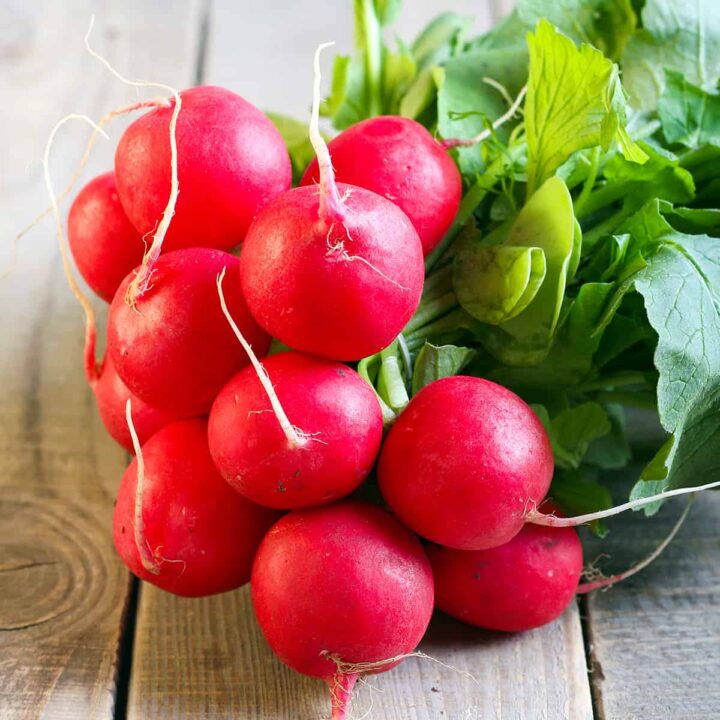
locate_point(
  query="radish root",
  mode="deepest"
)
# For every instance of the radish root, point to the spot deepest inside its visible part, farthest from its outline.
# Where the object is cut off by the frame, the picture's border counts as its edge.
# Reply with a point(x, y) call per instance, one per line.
point(296, 437)
point(97, 130)
point(538, 518)
point(141, 281)
point(338, 248)
point(92, 367)
point(601, 582)
point(341, 688)
point(147, 557)
point(331, 205)
point(351, 668)
point(450, 143)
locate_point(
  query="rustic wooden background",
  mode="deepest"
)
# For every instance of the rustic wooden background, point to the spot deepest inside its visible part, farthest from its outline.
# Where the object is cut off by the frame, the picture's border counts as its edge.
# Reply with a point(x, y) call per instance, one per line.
point(78, 639)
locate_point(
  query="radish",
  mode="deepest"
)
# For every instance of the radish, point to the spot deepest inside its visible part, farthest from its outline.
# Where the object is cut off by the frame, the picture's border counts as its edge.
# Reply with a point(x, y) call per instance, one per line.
point(104, 243)
point(399, 159)
point(111, 395)
point(523, 584)
point(464, 462)
point(174, 348)
point(231, 162)
point(322, 452)
point(339, 591)
point(335, 270)
point(182, 527)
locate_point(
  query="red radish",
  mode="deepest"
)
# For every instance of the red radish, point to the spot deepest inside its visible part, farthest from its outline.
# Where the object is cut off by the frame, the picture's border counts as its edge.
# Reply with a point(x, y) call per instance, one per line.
point(111, 395)
point(520, 585)
point(104, 243)
point(174, 348)
point(399, 159)
point(341, 590)
point(197, 536)
point(464, 462)
point(330, 449)
point(333, 270)
point(231, 163)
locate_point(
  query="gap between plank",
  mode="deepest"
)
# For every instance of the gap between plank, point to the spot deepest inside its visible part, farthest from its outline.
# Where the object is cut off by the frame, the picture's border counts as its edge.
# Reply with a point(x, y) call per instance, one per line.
point(125, 650)
point(594, 669)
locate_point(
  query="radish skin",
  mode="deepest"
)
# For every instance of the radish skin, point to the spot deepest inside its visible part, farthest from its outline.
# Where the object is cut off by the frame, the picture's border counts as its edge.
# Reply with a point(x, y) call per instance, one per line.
point(336, 411)
point(175, 349)
point(201, 536)
point(104, 243)
point(399, 159)
point(345, 582)
point(464, 461)
point(523, 584)
point(231, 163)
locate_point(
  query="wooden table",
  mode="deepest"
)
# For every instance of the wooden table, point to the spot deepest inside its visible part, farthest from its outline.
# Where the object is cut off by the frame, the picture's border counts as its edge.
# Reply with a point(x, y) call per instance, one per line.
point(78, 638)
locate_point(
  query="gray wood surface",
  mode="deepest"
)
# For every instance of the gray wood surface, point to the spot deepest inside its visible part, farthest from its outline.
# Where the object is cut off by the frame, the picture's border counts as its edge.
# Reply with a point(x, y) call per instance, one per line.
point(62, 590)
point(207, 658)
point(655, 639)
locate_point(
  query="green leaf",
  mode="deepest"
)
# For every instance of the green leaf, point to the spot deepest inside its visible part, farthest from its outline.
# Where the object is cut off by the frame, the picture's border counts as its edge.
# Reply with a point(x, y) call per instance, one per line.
point(610, 451)
point(680, 36)
point(467, 102)
point(348, 102)
point(574, 429)
point(497, 283)
point(571, 359)
point(681, 289)
point(547, 222)
point(297, 141)
point(574, 101)
point(433, 363)
point(387, 10)
point(689, 115)
point(435, 42)
point(695, 220)
point(606, 24)
point(578, 493)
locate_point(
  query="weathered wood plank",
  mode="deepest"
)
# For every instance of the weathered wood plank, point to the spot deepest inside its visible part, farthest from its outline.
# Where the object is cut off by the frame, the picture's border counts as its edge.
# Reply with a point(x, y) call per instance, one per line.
point(655, 639)
point(62, 591)
point(207, 658)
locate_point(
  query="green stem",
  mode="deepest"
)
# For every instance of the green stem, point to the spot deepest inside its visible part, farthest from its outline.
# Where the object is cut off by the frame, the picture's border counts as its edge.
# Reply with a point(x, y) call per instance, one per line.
point(427, 312)
point(450, 322)
point(373, 49)
point(473, 197)
point(589, 181)
point(391, 384)
point(438, 283)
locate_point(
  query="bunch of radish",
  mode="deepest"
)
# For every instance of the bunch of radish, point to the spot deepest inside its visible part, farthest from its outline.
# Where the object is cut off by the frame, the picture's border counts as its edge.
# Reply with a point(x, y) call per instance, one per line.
point(246, 466)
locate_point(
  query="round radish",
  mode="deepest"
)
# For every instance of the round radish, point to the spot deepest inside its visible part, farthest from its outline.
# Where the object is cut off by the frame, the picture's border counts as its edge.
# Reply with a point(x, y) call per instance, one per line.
point(333, 270)
point(341, 288)
point(199, 536)
point(174, 349)
point(104, 243)
point(231, 162)
point(464, 462)
point(336, 437)
point(520, 585)
point(111, 395)
point(399, 159)
point(341, 590)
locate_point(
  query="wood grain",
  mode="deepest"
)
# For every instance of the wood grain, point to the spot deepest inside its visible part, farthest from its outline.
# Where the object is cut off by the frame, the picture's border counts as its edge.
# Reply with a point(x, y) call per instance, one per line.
point(207, 658)
point(655, 639)
point(62, 590)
